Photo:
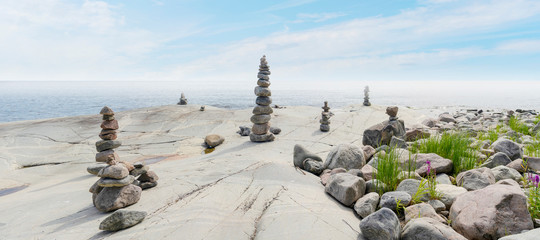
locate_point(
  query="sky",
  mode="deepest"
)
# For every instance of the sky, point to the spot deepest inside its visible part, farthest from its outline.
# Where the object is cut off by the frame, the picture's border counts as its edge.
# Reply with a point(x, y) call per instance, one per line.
point(305, 41)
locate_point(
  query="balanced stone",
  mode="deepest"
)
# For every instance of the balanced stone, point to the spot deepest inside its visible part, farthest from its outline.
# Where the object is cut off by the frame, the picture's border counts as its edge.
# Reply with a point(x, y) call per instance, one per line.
point(109, 125)
point(263, 83)
point(260, 119)
point(325, 118)
point(115, 171)
point(111, 182)
point(392, 111)
point(149, 176)
point(262, 92)
point(260, 110)
point(268, 137)
point(106, 111)
point(263, 101)
point(108, 117)
point(108, 134)
point(112, 198)
point(260, 129)
point(107, 144)
point(103, 156)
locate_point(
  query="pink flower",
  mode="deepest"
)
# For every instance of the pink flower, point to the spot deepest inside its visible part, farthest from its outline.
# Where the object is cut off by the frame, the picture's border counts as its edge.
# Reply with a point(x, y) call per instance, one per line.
point(428, 166)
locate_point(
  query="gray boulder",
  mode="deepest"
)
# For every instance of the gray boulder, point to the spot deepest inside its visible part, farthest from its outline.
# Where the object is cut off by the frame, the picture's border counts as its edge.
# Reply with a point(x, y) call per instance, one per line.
point(437, 205)
point(438, 163)
point(112, 198)
point(346, 156)
point(447, 118)
point(345, 188)
point(373, 185)
point(381, 134)
point(475, 179)
point(504, 172)
point(122, 219)
point(497, 160)
point(367, 204)
point(511, 149)
point(369, 151)
point(214, 140)
point(103, 145)
point(415, 134)
point(300, 154)
point(275, 130)
point(429, 229)
point(411, 187)
point(529, 235)
point(422, 210)
point(449, 193)
point(381, 225)
point(244, 131)
point(390, 199)
point(397, 143)
point(443, 179)
point(313, 166)
point(492, 212)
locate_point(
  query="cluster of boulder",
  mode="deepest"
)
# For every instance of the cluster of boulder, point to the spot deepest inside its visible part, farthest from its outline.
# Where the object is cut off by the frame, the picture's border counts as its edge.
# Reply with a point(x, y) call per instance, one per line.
point(120, 183)
point(488, 202)
point(261, 113)
point(325, 118)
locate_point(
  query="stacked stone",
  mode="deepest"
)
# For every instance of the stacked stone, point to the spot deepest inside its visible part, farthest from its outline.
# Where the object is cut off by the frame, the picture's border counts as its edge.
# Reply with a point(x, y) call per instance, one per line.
point(325, 118)
point(366, 97)
point(114, 189)
point(261, 112)
point(183, 100)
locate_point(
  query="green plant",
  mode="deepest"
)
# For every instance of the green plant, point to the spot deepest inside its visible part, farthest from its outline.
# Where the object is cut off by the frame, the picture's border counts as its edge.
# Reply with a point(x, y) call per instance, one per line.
point(533, 149)
point(534, 196)
point(422, 190)
point(491, 135)
point(411, 165)
point(518, 126)
point(453, 146)
point(387, 171)
point(427, 186)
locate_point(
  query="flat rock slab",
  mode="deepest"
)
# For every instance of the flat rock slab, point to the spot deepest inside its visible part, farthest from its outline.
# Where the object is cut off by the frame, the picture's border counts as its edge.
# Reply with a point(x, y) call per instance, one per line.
point(122, 219)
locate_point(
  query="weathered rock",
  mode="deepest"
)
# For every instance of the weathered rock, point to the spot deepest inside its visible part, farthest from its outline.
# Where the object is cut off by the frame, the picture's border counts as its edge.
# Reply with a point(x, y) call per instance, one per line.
point(324, 127)
point(492, 212)
point(390, 199)
point(397, 143)
point(410, 186)
point(149, 176)
point(313, 166)
point(347, 156)
point(122, 219)
point(260, 129)
point(268, 137)
point(445, 117)
point(392, 111)
point(105, 155)
point(422, 210)
point(275, 130)
point(262, 91)
point(108, 134)
point(109, 125)
point(517, 165)
point(475, 179)
point(369, 151)
point(263, 101)
point(108, 117)
point(106, 111)
point(367, 204)
point(533, 163)
point(437, 205)
point(111, 182)
point(431, 122)
point(438, 163)
point(94, 169)
point(345, 188)
point(300, 154)
point(382, 133)
point(374, 185)
point(103, 145)
point(114, 171)
point(138, 171)
point(497, 160)
point(128, 165)
point(260, 119)
point(112, 198)
point(244, 131)
point(443, 179)
point(449, 193)
point(368, 172)
point(529, 235)
point(415, 134)
point(356, 172)
point(511, 149)
point(504, 172)
point(429, 229)
point(146, 185)
point(263, 83)
point(381, 225)
point(95, 188)
point(213, 140)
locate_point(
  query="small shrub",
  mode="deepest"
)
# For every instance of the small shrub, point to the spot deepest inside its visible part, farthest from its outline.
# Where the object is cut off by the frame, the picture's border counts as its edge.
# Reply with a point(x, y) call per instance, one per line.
point(453, 146)
point(533, 149)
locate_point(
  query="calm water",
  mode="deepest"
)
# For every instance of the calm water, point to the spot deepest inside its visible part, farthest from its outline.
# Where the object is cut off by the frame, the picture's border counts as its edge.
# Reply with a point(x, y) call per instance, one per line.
point(38, 100)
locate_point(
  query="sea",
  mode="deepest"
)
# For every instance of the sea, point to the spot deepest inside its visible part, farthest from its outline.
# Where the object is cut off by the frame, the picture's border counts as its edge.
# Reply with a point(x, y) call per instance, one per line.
point(30, 100)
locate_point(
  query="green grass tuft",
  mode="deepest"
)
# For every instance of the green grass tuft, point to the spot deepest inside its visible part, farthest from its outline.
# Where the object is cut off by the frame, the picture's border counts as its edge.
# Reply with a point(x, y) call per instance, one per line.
point(518, 126)
point(388, 170)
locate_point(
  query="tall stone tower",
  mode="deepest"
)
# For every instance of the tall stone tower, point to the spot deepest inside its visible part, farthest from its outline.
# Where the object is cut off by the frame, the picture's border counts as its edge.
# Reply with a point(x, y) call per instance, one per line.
point(261, 112)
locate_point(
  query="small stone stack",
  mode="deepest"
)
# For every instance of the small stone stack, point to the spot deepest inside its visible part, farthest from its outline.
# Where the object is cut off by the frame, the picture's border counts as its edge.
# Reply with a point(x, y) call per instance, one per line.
point(261, 112)
point(114, 189)
point(325, 118)
point(183, 100)
point(366, 96)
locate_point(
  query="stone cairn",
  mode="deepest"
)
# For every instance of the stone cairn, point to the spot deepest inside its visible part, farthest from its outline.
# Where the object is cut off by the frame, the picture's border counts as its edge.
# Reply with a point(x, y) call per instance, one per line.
point(261, 112)
point(325, 118)
point(183, 100)
point(118, 186)
point(366, 97)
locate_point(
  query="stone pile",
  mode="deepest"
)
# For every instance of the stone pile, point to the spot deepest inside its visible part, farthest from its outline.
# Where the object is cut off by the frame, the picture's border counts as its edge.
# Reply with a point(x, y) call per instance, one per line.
point(383, 133)
point(118, 185)
point(261, 113)
point(183, 100)
point(366, 97)
point(325, 118)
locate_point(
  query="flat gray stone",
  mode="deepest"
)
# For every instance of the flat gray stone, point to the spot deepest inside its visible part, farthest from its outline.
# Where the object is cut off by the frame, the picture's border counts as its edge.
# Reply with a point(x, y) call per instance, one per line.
point(389, 200)
point(122, 219)
point(111, 182)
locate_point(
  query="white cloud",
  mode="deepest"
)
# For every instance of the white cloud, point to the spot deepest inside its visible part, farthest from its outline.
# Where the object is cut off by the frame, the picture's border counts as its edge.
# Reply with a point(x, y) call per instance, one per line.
point(317, 17)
